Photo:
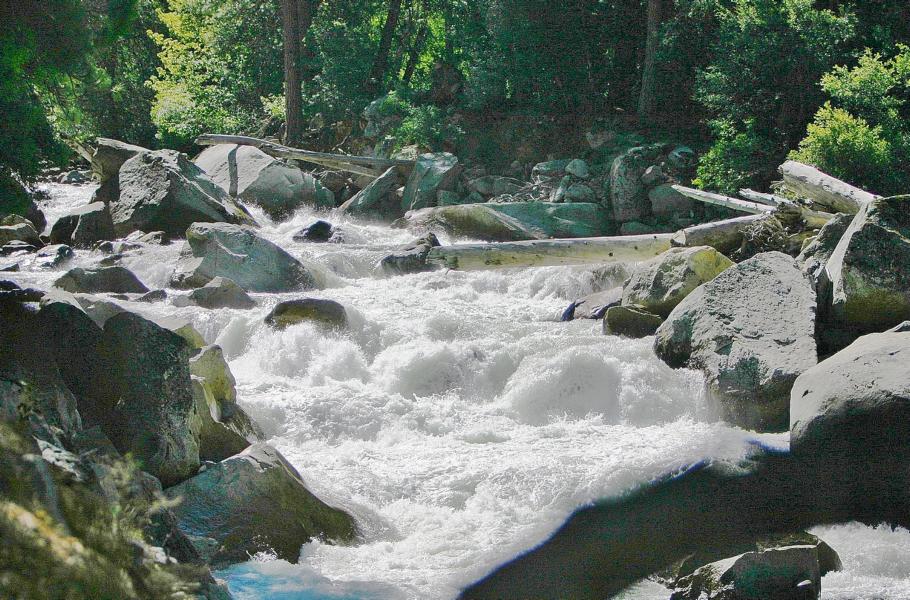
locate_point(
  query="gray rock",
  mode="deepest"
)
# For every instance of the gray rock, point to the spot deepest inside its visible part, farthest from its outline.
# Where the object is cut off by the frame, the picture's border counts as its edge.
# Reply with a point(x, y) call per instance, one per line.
point(51, 257)
point(816, 254)
point(653, 176)
point(433, 172)
point(667, 202)
point(254, 501)
point(789, 573)
point(153, 296)
point(237, 253)
point(254, 177)
point(84, 226)
point(327, 313)
point(411, 258)
point(209, 366)
point(494, 185)
point(23, 232)
point(221, 292)
point(850, 422)
point(869, 271)
point(110, 155)
point(377, 198)
point(164, 191)
point(552, 169)
point(514, 221)
point(147, 396)
point(660, 284)
point(751, 330)
point(628, 195)
point(578, 168)
point(101, 279)
point(72, 177)
point(594, 306)
point(580, 192)
point(318, 231)
point(630, 321)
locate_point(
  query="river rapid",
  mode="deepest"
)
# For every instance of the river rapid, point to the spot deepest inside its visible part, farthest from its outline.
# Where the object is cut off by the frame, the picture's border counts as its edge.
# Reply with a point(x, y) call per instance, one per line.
point(458, 420)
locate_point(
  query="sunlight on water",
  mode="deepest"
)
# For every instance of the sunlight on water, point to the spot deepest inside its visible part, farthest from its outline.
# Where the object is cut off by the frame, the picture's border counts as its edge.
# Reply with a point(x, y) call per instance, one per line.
point(457, 420)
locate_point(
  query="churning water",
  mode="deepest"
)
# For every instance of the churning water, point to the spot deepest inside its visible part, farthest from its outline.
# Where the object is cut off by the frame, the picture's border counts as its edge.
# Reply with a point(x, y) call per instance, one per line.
point(458, 420)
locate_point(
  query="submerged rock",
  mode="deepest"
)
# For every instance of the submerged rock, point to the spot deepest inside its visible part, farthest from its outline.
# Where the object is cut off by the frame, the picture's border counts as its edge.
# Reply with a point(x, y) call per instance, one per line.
point(248, 173)
point(53, 256)
point(317, 231)
point(323, 312)
point(411, 258)
point(100, 279)
point(237, 253)
point(514, 221)
point(593, 306)
point(661, 283)
point(751, 330)
point(254, 502)
point(164, 191)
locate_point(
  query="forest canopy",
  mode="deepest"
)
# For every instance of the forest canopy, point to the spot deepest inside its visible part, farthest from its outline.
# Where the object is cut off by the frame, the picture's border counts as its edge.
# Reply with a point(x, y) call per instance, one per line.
point(746, 82)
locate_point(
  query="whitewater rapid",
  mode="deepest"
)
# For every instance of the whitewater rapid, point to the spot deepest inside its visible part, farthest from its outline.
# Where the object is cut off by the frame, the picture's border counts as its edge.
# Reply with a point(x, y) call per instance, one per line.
point(458, 420)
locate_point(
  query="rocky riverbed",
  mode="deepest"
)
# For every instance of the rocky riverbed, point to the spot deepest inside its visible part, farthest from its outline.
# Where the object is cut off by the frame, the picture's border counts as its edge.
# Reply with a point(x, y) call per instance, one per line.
point(452, 415)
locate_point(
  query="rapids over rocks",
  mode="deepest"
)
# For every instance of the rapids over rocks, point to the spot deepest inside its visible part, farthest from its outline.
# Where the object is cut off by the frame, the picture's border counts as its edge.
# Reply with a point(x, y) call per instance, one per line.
point(456, 418)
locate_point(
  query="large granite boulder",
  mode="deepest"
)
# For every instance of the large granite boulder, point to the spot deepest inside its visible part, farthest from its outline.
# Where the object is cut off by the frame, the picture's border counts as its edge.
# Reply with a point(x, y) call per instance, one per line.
point(100, 279)
point(432, 173)
point(84, 226)
point(630, 321)
point(254, 502)
point(164, 191)
point(751, 330)
point(23, 232)
point(147, 396)
point(869, 271)
point(221, 292)
point(514, 221)
point(661, 283)
point(238, 254)
point(248, 173)
point(110, 155)
point(850, 422)
point(628, 195)
point(377, 198)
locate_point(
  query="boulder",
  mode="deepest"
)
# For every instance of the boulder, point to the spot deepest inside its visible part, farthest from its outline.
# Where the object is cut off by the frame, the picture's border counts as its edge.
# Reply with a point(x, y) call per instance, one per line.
point(661, 283)
point(578, 168)
point(433, 172)
point(816, 254)
point(653, 176)
point(100, 279)
point(164, 191)
point(579, 192)
point(489, 186)
point(317, 231)
point(110, 155)
point(51, 257)
point(410, 258)
point(548, 170)
point(666, 202)
point(788, 573)
point(237, 253)
point(221, 292)
point(869, 271)
point(628, 195)
point(147, 397)
point(23, 232)
point(84, 227)
point(327, 313)
point(253, 502)
point(209, 366)
point(593, 306)
point(850, 421)
point(630, 321)
point(248, 173)
point(377, 198)
point(514, 221)
point(751, 330)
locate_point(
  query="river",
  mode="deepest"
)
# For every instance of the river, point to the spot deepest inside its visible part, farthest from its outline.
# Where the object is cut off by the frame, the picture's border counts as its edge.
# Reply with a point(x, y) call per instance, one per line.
point(458, 420)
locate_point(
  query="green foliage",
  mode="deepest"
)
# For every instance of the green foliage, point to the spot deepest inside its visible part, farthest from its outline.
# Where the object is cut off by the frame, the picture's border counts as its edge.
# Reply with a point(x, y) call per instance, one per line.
point(428, 126)
point(862, 134)
point(760, 88)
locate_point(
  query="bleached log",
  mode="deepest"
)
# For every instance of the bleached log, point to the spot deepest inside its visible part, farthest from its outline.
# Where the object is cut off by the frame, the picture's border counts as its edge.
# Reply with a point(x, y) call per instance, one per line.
point(362, 165)
point(762, 198)
point(545, 253)
point(724, 236)
point(726, 201)
point(828, 191)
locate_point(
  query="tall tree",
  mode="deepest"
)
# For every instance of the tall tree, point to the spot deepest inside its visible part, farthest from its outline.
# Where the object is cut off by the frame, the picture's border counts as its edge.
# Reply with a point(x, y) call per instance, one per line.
point(293, 101)
point(647, 99)
point(377, 73)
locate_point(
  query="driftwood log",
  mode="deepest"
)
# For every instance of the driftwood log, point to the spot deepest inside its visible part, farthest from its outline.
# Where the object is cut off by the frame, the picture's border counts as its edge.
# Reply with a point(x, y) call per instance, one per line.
point(361, 165)
point(753, 208)
point(832, 193)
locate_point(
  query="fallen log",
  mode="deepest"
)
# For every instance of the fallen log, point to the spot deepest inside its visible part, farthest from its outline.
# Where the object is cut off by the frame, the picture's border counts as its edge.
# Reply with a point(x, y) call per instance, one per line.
point(717, 199)
point(724, 236)
point(828, 191)
point(362, 165)
point(762, 198)
point(546, 253)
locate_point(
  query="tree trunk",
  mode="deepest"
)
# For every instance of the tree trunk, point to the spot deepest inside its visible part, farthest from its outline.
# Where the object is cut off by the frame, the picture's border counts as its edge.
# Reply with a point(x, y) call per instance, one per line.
point(414, 54)
point(647, 100)
point(292, 94)
point(377, 73)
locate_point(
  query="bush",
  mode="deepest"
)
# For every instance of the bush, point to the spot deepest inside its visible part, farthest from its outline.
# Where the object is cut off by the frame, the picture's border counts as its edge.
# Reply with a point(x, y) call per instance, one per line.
point(737, 160)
